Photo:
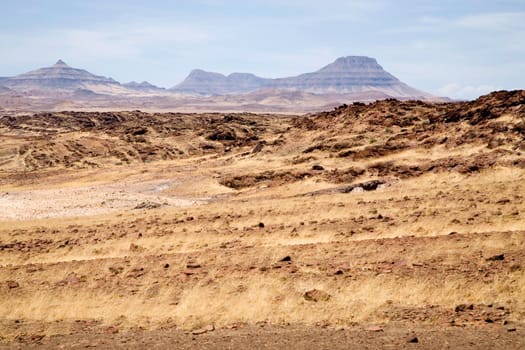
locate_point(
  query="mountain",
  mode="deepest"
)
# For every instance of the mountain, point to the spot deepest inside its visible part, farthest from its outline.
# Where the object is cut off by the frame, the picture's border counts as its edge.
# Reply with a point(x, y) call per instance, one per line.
point(351, 74)
point(144, 86)
point(209, 83)
point(58, 77)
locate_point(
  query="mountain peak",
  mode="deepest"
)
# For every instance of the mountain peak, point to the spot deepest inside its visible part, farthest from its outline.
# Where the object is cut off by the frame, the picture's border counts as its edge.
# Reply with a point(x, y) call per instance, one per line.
point(347, 60)
point(60, 63)
point(352, 63)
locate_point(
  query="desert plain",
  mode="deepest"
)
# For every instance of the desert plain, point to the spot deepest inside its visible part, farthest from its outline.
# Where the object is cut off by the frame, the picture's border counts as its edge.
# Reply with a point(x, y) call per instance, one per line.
point(394, 224)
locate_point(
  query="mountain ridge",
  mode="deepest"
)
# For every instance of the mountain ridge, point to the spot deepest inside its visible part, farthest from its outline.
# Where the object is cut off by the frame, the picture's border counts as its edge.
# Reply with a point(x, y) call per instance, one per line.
point(349, 74)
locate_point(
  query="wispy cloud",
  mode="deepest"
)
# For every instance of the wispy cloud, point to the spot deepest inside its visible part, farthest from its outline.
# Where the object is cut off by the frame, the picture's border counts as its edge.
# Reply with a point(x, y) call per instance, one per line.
point(499, 21)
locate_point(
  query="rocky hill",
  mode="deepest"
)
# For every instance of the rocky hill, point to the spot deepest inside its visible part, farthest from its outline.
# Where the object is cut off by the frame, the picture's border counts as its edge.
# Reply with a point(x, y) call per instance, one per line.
point(351, 74)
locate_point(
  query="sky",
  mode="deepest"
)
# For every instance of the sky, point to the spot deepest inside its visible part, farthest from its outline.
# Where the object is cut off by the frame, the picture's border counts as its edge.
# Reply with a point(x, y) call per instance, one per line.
point(460, 49)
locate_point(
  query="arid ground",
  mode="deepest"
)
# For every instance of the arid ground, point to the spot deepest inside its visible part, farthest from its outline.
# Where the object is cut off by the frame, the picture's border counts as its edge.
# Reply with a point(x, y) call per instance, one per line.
point(389, 225)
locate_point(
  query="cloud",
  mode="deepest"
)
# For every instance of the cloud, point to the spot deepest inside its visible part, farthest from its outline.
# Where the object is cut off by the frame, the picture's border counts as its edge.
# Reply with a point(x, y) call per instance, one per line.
point(465, 92)
point(500, 21)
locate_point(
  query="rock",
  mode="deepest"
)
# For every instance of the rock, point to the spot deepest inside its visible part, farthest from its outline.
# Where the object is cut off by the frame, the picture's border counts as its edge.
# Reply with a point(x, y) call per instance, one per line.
point(258, 147)
point(498, 257)
point(464, 307)
point(286, 258)
point(208, 328)
point(317, 167)
point(261, 224)
point(316, 295)
point(12, 284)
point(374, 329)
point(193, 266)
point(413, 340)
point(166, 266)
point(147, 205)
point(72, 278)
point(222, 134)
point(112, 330)
point(136, 248)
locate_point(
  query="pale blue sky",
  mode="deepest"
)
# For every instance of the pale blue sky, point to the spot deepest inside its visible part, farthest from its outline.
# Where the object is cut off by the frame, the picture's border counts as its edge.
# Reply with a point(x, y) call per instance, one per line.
point(456, 48)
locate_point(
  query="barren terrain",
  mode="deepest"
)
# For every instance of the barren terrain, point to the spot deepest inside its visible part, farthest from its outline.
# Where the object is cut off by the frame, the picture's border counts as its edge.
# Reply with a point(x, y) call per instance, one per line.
point(394, 224)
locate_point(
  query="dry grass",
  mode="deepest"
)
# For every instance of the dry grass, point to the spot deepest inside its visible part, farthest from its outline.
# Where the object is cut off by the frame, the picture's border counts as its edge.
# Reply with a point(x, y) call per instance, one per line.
point(392, 247)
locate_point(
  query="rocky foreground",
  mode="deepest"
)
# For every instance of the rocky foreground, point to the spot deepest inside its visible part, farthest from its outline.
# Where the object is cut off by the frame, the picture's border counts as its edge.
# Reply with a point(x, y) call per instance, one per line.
point(394, 223)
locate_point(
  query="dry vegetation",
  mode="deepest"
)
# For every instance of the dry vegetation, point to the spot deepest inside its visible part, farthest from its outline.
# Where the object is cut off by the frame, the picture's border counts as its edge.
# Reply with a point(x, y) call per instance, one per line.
point(364, 225)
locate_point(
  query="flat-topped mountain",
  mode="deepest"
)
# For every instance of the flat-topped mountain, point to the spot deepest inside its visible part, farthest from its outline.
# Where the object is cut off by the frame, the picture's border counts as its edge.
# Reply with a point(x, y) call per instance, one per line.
point(351, 74)
point(210, 83)
point(60, 76)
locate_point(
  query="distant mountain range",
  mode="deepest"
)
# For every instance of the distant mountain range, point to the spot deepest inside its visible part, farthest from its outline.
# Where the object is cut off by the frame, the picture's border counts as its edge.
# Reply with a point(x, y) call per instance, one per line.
point(347, 79)
point(352, 74)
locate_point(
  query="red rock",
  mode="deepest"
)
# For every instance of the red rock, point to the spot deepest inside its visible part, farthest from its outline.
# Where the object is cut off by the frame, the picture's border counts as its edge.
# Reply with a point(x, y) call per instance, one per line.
point(12, 284)
point(316, 295)
point(375, 329)
point(208, 328)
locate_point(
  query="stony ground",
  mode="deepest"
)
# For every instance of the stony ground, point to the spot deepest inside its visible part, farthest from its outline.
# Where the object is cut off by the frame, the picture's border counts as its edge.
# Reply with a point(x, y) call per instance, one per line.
point(365, 227)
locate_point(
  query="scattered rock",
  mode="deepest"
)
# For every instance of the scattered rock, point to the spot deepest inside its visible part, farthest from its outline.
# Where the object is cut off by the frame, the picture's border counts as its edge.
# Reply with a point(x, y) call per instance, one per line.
point(208, 328)
point(375, 329)
point(115, 270)
point(136, 248)
point(193, 266)
point(464, 307)
point(112, 330)
point(258, 147)
point(358, 187)
point(12, 284)
point(316, 295)
point(148, 205)
point(498, 257)
point(72, 278)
